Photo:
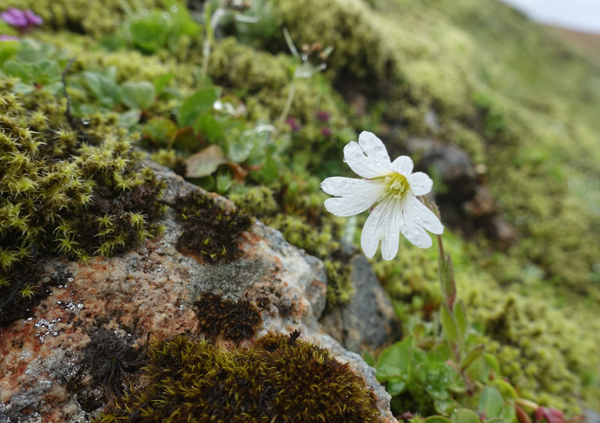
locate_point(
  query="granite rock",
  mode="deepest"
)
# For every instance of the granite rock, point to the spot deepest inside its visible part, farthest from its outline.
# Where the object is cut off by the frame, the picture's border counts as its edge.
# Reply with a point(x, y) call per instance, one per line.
point(150, 290)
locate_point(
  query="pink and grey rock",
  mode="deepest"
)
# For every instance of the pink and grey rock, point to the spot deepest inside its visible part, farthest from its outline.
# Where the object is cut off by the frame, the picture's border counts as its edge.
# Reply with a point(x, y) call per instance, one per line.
point(151, 291)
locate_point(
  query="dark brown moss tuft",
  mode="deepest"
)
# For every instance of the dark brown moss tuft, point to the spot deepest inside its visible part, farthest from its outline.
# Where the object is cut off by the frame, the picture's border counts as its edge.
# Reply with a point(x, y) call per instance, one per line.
point(24, 291)
point(272, 380)
point(209, 228)
point(108, 359)
point(226, 318)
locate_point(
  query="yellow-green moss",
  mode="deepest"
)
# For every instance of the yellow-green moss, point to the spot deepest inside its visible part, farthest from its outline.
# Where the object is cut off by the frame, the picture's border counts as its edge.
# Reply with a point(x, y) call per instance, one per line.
point(93, 17)
point(68, 186)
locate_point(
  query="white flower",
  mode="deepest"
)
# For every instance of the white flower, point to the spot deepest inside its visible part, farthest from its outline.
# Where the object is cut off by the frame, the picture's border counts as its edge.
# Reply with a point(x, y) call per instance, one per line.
point(392, 188)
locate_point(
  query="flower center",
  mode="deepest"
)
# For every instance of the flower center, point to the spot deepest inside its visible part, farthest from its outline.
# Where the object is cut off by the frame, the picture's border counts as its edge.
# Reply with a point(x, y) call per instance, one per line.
point(396, 185)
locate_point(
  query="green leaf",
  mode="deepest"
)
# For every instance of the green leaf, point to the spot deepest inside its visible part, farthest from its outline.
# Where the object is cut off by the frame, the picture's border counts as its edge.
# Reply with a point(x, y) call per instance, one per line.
point(490, 403)
point(150, 32)
point(395, 386)
point(35, 51)
point(195, 105)
point(47, 68)
point(112, 43)
point(239, 148)
point(160, 130)
point(506, 389)
point(460, 314)
point(449, 325)
point(437, 419)
point(492, 361)
point(104, 87)
point(21, 88)
point(478, 370)
point(8, 49)
point(205, 162)
point(210, 129)
point(138, 95)
point(130, 118)
point(394, 361)
point(17, 69)
point(445, 406)
point(472, 355)
point(436, 375)
point(464, 415)
point(182, 22)
point(161, 82)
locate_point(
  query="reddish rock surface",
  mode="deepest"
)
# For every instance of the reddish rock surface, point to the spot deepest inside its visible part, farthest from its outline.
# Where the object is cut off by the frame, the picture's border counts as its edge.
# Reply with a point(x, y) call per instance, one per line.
point(151, 291)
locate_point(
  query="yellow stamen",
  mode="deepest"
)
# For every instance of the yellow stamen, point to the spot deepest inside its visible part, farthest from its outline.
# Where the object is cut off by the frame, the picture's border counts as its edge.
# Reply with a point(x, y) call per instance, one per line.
point(396, 185)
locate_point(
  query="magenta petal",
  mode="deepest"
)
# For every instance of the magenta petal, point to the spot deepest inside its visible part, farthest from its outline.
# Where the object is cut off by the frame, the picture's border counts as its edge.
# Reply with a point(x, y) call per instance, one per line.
point(33, 19)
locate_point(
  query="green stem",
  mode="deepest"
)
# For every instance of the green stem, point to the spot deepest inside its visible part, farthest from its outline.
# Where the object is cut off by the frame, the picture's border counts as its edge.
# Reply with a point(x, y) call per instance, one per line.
point(209, 36)
point(288, 104)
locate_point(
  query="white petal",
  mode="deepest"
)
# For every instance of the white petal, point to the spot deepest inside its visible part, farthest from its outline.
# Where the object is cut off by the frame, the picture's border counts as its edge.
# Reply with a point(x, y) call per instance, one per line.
point(403, 165)
point(420, 183)
point(378, 226)
point(367, 159)
point(422, 216)
point(342, 187)
point(391, 239)
point(374, 148)
point(413, 232)
point(356, 195)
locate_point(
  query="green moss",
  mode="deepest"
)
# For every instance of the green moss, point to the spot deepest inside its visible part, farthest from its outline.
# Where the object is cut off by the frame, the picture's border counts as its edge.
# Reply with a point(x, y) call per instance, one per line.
point(75, 189)
point(210, 228)
point(547, 354)
point(277, 378)
point(93, 17)
point(233, 321)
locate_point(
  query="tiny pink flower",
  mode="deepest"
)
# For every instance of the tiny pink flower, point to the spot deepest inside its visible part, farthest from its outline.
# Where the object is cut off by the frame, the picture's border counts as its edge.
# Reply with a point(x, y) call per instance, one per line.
point(293, 124)
point(21, 19)
point(326, 131)
point(323, 116)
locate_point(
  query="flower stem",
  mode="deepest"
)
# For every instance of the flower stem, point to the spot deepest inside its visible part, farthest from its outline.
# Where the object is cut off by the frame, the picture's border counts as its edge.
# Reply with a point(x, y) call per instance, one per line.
point(288, 104)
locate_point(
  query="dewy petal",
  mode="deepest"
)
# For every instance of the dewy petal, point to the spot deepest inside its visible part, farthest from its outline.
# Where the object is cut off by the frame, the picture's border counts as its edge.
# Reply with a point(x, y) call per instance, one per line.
point(403, 165)
point(420, 183)
point(354, 195)
point(377, 227)
point(412, 231)
point(367, 159)
point(374, 148)
point(391, 239)
point(422, 216)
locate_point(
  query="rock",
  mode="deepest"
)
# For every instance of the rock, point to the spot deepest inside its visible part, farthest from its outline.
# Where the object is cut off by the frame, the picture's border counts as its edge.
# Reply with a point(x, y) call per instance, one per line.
point(590, 416)
point(368, 322)
point(466, 201)
point(150, 291)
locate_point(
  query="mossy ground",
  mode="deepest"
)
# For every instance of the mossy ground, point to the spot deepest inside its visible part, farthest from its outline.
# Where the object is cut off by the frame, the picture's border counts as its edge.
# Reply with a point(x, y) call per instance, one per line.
point(517, 100)
point(69, 187)
point(276, 378)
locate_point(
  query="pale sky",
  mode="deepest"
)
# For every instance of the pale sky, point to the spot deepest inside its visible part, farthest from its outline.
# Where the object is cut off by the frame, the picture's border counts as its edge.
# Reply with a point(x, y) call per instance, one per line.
point(582, 15)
